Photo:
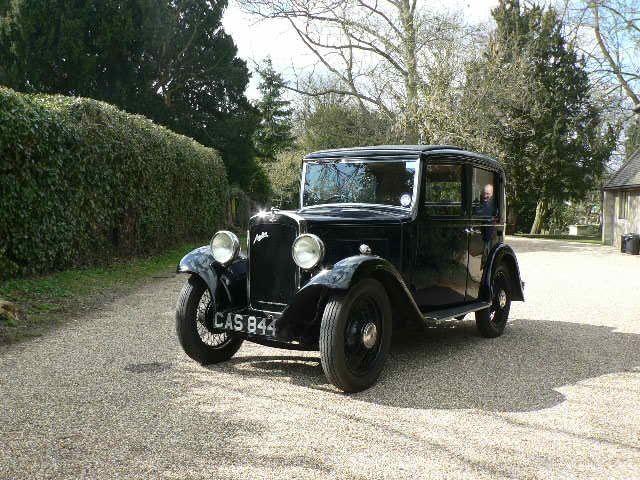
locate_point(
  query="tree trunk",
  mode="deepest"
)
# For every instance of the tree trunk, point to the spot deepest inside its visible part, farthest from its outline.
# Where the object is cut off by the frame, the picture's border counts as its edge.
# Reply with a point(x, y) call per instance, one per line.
point(512, 221)
point(407, 17)
point(541, 213)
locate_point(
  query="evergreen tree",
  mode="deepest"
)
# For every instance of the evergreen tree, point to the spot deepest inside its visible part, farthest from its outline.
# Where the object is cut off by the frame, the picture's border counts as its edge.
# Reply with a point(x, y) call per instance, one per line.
point(171, 61)
point(549, 135)
point(273, 134)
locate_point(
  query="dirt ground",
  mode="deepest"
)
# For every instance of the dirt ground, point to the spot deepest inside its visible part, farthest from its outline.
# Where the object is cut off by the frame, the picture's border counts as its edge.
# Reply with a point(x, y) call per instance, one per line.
point(111, 395)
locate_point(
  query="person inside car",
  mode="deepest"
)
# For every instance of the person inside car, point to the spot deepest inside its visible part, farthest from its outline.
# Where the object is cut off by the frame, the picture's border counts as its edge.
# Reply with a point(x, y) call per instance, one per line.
point(486, 208)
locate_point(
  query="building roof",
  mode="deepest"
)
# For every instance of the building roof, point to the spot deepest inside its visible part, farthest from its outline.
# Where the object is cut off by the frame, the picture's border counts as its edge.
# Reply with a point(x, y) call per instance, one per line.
point(628, 176)
point(385, 151)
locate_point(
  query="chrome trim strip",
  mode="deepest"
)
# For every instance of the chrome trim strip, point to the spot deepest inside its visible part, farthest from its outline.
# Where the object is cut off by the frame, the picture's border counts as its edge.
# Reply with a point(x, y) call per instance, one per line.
point(267, 311)
point(274, 303)
point(248, 263)
point(304, 175)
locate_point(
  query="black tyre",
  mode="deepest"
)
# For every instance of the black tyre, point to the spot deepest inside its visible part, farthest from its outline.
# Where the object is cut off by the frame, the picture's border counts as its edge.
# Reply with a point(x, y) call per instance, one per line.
point(355, 336)
point(194, 325)
point(492, 321)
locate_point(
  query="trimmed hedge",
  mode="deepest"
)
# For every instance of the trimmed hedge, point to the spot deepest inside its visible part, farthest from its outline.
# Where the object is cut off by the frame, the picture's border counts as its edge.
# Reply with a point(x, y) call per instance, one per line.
point(81, 181)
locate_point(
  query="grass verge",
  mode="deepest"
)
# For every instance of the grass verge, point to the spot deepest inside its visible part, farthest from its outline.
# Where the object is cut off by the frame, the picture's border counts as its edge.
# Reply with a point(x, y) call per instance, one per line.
point(46, 300)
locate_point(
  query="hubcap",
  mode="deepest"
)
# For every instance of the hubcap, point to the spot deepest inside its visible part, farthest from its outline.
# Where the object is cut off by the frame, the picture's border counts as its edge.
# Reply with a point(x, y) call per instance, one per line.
point(502, 298)
point(369, 335)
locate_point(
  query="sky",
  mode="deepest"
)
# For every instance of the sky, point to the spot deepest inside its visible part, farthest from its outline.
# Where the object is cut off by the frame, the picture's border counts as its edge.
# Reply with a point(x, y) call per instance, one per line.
point(258, 38)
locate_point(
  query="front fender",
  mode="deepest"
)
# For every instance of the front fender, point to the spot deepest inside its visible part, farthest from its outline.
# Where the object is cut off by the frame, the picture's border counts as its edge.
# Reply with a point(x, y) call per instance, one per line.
point(301, 319)
point(232, 278)
point(349, 271)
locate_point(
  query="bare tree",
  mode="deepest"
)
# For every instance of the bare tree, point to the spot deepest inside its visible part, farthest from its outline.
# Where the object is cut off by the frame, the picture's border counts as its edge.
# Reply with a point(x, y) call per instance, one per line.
point(378, 51)
point(614, 49)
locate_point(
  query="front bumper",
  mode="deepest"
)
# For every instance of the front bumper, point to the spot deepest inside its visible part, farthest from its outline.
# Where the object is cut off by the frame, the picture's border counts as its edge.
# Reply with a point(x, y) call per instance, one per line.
point(282, 330)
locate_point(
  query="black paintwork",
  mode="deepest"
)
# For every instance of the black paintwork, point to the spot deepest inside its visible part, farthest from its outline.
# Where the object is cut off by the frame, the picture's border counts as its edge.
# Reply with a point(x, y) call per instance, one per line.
point(273, 274)
point(226, 283)
point(431, 266)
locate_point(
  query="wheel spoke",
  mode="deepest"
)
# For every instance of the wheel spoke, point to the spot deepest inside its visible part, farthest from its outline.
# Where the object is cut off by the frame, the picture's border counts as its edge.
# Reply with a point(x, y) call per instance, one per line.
point(204, 322)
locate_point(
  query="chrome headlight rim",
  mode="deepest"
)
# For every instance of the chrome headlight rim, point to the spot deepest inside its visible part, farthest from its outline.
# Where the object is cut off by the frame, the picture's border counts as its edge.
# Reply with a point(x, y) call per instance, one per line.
point(321, 250)
point(234, 249)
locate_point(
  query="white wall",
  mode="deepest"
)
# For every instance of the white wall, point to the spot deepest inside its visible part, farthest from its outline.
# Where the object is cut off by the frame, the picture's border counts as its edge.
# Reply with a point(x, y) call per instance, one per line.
point(614, 227)
point(608, 216)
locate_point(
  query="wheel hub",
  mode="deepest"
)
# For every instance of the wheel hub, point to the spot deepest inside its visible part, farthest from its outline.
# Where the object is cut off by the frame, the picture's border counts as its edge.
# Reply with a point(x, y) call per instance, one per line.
point(369, 335)
point(502, 298)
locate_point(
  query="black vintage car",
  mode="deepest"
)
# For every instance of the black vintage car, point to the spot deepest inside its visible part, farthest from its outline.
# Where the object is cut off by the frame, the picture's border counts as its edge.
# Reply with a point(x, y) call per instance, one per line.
point(384, 236)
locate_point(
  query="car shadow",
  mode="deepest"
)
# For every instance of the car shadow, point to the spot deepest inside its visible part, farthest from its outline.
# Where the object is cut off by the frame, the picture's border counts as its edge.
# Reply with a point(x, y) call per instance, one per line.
point(451, 367)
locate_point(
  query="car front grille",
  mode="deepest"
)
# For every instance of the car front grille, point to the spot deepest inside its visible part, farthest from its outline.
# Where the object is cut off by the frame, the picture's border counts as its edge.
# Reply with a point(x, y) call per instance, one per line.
point(272, 272)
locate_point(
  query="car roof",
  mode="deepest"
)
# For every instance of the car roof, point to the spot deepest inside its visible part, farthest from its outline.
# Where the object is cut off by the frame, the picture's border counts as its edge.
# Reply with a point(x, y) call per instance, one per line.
point(383, 152)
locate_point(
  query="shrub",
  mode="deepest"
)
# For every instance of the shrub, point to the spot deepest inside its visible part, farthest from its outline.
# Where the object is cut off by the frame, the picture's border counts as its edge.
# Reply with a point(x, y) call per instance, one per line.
point(81, 181)
point(284, 175)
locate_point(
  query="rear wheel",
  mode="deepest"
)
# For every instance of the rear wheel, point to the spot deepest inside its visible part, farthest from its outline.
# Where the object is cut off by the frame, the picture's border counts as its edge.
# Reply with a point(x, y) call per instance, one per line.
point(194, 325)
point(492, 321)
point(355, 336)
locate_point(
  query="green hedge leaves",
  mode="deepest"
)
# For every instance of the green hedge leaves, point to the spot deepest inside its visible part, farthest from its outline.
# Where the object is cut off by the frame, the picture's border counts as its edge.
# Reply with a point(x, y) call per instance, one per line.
point(81, 181)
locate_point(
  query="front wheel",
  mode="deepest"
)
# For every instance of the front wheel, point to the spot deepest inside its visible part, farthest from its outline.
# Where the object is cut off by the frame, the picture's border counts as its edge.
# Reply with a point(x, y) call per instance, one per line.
point(492, 321)
point(355, 336)
point(194, 325)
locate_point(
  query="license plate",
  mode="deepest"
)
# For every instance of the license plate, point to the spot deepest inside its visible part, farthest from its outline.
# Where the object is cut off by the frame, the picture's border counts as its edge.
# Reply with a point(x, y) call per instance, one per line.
point(250, 324)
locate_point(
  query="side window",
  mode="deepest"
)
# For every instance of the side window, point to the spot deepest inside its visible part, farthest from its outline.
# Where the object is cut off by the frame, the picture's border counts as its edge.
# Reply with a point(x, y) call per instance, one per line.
point(443, 190)
point(484, 194)
point(623, 205)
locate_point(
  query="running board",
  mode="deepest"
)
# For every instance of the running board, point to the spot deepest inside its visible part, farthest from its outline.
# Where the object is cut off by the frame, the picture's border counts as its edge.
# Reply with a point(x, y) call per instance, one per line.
point(448, 313)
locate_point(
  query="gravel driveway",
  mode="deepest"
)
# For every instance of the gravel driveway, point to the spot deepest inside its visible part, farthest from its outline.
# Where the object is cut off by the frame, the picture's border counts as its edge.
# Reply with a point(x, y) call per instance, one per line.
point(111, 395)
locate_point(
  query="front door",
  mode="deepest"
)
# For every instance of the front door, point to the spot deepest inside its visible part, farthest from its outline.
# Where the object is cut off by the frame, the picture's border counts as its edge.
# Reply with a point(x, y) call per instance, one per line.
point(485, 204)
point(440, 269)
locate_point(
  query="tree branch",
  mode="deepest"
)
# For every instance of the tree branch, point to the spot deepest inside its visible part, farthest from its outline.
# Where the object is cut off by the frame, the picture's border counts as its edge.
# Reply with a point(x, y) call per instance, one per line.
point(380, 13)
point(614, 66)
point(337, 91)
point(630, 22)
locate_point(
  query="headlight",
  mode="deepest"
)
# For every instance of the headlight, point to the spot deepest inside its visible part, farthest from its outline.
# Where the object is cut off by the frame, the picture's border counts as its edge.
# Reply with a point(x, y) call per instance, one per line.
point(224, 246)
point(308, 251)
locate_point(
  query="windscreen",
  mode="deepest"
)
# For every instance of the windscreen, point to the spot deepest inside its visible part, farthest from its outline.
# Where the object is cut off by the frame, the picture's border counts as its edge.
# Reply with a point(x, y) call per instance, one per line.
point(375, 182)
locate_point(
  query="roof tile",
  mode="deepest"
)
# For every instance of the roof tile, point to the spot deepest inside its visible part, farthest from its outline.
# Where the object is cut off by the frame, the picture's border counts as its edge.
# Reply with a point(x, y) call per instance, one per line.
point(628, 175)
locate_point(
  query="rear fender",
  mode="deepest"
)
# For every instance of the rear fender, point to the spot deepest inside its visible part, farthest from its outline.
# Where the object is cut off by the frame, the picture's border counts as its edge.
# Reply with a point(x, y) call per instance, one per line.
point(232, 279)
point(504, 254)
